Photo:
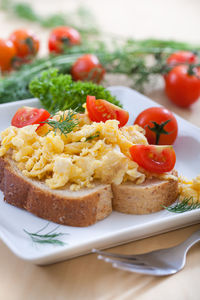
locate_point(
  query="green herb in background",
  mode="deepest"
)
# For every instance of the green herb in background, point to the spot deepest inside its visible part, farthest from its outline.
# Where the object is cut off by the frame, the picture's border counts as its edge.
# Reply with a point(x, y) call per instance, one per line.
point(85, 18)
point(15, 87)
point(58, 91)
point(126, 59)
point(81, 19)
point(118, 55)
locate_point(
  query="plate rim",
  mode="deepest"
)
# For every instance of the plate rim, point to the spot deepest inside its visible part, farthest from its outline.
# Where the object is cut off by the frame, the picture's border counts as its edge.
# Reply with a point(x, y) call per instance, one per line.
point(47, 258)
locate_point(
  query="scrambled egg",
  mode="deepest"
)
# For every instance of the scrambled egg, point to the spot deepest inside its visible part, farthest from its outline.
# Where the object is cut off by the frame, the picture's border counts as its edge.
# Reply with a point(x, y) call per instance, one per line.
point(92, 151)
point(189, 189)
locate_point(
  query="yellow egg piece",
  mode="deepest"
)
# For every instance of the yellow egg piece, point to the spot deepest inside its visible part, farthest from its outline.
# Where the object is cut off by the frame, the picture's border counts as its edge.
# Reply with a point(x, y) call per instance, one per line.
point(91, 151)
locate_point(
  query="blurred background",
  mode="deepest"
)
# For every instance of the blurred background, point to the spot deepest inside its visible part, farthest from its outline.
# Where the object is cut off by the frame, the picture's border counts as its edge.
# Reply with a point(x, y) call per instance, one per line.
point(167, 20)
point(135, 18)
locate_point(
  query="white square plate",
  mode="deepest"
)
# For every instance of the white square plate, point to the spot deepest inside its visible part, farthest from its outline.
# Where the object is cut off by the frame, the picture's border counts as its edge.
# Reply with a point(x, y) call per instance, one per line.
point(116, 229)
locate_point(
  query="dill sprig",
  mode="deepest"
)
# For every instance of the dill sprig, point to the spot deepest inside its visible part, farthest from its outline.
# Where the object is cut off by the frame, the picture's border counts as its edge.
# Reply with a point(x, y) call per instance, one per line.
point(91, 137)
point(50, 237)
point(117, 54)
point(66, 122)
point(185, 205)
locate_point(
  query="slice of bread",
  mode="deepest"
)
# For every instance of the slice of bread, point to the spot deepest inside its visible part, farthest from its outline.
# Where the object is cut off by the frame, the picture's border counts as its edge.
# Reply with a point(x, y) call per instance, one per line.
point(87, 206)
point(74, 208)
point(145, 198)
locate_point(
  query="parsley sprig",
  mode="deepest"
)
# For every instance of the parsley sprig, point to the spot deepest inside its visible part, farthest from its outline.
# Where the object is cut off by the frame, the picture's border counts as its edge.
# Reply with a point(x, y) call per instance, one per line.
point(51, 237)
point(65, 124)
point(117, 54)
point(186, 205)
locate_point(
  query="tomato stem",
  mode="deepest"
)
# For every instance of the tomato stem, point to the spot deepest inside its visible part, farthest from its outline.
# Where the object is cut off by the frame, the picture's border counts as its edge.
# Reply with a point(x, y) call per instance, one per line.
point(191, 70)
point(29, 43)
point(65, 41)
point(159, 129)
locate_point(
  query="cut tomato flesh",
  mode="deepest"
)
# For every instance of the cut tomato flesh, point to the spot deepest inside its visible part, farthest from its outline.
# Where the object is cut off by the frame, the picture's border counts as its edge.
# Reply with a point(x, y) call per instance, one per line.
point(102, 110)
point(155, 159)
point(29, 116)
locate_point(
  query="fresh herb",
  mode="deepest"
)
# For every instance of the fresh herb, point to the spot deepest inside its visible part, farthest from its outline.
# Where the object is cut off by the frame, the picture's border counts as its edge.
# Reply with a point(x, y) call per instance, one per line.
point(59, 92)
point(185, 205)
point(50, 237)
point(81, 19)
point(84, 21)
point(128, 58)
point(91, 137)
point(65, 123)
point(117, 54)
point(16, 86)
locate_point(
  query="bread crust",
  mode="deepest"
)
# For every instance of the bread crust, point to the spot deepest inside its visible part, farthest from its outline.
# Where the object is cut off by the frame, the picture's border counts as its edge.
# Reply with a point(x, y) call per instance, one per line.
point(87, 209)
point(145, 198)
point(80, 212)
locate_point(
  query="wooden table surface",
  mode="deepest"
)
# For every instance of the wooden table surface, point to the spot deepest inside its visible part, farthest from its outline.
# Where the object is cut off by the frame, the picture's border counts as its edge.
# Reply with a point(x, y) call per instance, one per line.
point(86, 277)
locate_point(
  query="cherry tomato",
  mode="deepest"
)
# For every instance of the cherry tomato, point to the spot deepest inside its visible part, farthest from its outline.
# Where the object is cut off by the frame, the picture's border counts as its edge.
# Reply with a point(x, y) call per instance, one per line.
point(160, 125)
point(182, 57)
point(182, 88)
point(7, 55)
point(26, 43)
point(62, 37)
point(88, 68)
point(102, 110)
point(29, 116)
point(154, 159)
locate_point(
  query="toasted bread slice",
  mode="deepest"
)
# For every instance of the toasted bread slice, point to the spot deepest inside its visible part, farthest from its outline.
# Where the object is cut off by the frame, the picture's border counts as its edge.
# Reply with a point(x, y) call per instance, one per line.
point(74, 208)
point(87, 206)
point(145, 198)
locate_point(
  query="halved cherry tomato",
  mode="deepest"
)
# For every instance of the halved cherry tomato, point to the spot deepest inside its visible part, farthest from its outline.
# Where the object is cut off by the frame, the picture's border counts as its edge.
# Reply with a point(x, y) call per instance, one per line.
point(181, 87)
point(161, 127)
point(181, 57)
point(26, 43)
point(102, 110)
point(154, 159)
point(63, 37)
point(88, 68)
point(29, 116)
point(7, 55)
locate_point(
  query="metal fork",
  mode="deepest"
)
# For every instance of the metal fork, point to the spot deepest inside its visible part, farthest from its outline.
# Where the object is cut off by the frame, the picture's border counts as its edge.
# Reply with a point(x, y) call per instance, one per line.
point(159, 263)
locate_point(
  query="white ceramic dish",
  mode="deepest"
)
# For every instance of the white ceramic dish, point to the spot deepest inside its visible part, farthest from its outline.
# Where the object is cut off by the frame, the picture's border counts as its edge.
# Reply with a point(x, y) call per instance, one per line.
point(117, 228)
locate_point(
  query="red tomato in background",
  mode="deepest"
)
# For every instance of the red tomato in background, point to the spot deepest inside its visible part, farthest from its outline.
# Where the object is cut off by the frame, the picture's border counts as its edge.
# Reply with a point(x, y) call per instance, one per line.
point(26, 43)
point(181, 57)
point(7, 55)
point(181, 88)
point(62, 37)
point(154, 159)
point(102, 110)
point(29, 116)
point(88, 68)
point(158, 130)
